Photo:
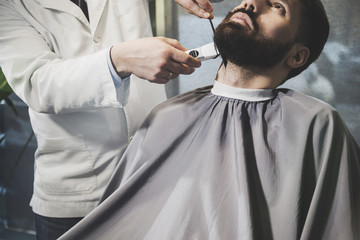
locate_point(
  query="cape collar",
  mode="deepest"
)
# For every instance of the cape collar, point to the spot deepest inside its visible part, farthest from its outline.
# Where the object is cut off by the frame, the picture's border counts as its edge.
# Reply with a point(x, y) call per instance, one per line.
point(251, 95)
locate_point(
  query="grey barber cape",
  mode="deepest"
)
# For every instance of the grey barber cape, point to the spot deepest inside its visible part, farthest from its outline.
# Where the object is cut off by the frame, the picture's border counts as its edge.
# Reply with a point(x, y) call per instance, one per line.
point(224, 163)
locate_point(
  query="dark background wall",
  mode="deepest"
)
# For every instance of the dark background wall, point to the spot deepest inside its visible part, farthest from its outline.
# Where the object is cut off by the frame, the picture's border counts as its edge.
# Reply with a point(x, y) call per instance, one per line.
point(15, 212)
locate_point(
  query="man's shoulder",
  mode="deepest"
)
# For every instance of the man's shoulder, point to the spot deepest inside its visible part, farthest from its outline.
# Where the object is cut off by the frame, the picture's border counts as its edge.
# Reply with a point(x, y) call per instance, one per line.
point(303, 101)
point(309, 109)
point(185, 100)
point(192, 94)
point(179, 110)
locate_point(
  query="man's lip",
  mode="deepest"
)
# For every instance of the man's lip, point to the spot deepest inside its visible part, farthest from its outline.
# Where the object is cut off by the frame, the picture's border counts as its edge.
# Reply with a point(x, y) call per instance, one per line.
point(242, 18)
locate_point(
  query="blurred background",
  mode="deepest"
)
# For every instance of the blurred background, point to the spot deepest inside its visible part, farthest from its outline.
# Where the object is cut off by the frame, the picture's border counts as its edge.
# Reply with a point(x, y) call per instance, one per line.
point(334, 78)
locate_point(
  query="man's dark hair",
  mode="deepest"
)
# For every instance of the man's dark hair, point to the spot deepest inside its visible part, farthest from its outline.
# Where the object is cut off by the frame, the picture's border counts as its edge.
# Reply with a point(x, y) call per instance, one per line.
point(313, 31)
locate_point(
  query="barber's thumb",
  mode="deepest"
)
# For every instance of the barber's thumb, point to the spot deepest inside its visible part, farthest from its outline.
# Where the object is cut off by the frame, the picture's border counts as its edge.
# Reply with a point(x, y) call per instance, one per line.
point(191, 61)
point(179, 55)
point(175, 43)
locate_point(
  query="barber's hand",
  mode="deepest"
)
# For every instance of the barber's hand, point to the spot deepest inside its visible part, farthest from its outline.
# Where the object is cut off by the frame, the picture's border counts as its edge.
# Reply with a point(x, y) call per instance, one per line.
point(200, 8)
point(157, 59)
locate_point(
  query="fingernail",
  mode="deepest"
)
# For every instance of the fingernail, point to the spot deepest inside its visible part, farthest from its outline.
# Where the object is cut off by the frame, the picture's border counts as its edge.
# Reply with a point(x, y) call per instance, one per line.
point(206, 15)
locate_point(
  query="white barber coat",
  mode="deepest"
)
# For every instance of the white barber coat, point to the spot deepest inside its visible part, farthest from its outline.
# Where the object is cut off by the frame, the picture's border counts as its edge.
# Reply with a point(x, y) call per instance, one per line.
point(55, 61)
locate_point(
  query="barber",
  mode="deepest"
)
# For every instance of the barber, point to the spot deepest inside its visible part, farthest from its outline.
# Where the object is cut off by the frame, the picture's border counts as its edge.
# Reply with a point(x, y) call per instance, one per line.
point(83, 75)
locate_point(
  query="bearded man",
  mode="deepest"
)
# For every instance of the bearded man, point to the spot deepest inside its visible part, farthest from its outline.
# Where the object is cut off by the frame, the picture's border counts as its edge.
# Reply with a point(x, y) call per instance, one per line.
point(242, 159)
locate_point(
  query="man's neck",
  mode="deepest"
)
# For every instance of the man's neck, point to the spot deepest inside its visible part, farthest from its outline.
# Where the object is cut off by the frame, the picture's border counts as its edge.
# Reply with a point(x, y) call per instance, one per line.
point(235, 76)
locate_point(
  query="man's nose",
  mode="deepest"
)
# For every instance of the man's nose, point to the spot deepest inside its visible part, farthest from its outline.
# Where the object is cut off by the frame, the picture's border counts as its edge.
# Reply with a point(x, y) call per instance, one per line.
point(249, 5)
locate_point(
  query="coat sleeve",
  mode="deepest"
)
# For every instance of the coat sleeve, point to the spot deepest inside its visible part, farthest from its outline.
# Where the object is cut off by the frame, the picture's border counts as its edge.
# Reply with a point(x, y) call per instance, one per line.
point(42, 78)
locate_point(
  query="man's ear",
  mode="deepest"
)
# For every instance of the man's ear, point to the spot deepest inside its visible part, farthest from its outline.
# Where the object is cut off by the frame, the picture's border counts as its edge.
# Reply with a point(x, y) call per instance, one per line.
point(298, 57)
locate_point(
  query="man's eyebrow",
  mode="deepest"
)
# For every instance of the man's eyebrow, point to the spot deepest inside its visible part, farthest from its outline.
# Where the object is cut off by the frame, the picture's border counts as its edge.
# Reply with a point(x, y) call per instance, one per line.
point(286, 2)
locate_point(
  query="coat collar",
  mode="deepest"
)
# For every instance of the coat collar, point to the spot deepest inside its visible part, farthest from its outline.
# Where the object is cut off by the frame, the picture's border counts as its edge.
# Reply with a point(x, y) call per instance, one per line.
point(64, 6)
point(95, 8)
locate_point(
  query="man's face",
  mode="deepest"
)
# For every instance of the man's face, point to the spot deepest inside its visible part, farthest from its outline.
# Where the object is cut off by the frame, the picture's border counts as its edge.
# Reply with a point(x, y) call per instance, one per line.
point(258, 33)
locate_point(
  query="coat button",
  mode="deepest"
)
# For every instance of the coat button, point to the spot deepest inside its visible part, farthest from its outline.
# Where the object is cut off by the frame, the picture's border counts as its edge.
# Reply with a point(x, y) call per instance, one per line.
point(97, 39)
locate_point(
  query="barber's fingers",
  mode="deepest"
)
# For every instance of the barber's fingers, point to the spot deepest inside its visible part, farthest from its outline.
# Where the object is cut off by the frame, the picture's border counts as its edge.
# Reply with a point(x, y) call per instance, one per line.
point(178, 55)
point(184, 58)
point(166, 77)
point(200, 8)
point(169, 71)
point(172, 76)
point(173, 42)
point(205, 4)
point(170, 68)
point(178, 68)
point(152, 58)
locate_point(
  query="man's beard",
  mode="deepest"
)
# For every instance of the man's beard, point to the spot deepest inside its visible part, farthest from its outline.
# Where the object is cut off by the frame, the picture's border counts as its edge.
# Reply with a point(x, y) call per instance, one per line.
point(249, 50)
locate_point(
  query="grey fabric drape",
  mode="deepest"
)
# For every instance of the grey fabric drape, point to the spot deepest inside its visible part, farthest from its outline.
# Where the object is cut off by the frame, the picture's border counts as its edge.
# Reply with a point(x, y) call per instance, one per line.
point(204, 166)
